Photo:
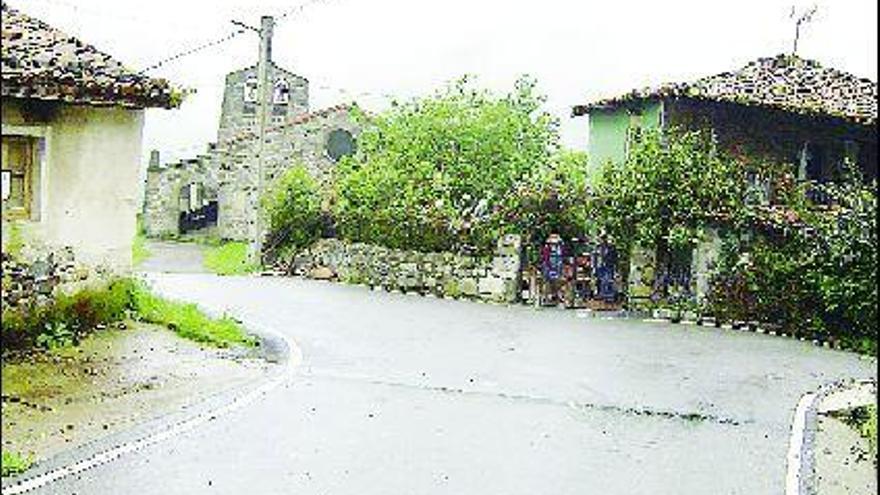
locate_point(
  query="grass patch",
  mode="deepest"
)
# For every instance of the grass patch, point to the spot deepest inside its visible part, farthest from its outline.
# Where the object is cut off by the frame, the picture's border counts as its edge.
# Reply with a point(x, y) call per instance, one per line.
point(13, 463)
point(868, 429)
point(69, 318)
point(188, 321)
point(139, 251)
point(230, 258)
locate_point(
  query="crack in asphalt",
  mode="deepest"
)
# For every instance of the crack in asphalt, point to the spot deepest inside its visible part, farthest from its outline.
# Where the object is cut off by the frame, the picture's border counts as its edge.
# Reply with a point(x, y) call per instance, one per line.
point(630, 411)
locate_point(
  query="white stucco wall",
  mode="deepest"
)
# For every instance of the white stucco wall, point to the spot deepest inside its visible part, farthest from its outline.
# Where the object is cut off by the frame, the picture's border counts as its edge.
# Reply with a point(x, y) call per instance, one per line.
point(87, 187)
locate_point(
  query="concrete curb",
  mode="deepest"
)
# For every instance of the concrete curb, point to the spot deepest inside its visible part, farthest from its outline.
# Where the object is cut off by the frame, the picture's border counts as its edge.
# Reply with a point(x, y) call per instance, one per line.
point(274, 347)
point(801, 459)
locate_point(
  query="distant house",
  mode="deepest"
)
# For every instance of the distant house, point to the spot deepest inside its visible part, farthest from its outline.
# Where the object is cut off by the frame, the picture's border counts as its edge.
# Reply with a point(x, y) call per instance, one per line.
point(784, 108)
point(72, 126)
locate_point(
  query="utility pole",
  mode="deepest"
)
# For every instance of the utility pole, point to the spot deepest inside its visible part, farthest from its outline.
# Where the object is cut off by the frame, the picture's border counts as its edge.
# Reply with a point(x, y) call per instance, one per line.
point(264, 92)
point(805, 17)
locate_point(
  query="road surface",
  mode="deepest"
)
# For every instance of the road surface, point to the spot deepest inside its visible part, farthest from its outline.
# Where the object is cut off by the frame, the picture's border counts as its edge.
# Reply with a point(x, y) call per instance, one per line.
point(403, 394)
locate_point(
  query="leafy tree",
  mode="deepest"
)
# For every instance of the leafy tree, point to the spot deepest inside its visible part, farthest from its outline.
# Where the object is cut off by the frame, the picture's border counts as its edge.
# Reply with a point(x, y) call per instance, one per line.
point(293, 208)
point(672, 184)
point(433, 174)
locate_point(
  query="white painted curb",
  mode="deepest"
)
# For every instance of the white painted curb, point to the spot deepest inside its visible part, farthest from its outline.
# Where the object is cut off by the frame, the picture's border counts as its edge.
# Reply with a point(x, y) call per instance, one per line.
point(167, 432)
point(794, 475)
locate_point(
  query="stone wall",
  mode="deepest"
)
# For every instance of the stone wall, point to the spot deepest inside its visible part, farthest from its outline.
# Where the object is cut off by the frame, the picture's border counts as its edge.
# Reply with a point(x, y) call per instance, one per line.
point(36, 280)
point(643, 269)
point(491, 278)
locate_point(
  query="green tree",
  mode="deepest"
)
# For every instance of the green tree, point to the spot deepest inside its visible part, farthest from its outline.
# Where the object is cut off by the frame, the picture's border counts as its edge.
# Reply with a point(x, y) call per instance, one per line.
point(672, 184)
point(292, 206)
point(433, 174)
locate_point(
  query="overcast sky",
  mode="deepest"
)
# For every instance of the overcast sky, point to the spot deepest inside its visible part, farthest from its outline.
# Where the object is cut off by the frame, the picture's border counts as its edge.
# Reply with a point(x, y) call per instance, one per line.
point(364, 49)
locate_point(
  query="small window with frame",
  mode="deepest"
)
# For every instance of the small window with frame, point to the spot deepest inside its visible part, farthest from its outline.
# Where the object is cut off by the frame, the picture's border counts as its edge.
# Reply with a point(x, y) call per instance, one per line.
point(250, 90)
point(17, 168)
point(281, 95)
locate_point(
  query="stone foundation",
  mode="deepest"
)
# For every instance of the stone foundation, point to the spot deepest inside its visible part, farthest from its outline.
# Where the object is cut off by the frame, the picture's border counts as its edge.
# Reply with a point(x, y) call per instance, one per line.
point(493, 278)
point(36, 281)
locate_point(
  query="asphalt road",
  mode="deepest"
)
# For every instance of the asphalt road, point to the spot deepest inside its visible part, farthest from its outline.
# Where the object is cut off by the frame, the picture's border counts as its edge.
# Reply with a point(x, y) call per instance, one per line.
point(402, 394)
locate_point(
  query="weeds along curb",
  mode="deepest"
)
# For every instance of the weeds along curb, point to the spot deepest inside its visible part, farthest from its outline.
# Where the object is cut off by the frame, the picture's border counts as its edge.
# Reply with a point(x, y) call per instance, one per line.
point(289, 357)
point(800, 474)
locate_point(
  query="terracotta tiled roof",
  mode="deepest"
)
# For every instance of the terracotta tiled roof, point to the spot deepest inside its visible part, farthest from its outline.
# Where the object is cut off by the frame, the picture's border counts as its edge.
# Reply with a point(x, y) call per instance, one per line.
point(785, 82)
point(41, 62)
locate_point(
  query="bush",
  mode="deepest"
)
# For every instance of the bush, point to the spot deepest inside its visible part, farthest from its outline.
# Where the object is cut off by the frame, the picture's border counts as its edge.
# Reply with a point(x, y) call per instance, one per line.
point(293, 209)
point(673, 184)
point(68, 318)
point(435, 174)
point(808, 269)
point(13, 463)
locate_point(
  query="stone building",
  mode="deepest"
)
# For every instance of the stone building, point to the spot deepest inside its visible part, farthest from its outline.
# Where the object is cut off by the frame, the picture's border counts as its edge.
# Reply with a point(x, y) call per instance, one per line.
point(219, 188)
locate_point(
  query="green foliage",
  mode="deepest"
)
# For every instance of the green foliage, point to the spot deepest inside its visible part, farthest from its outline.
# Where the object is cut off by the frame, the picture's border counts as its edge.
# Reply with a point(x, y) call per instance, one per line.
point(13, 463)
point(554, 197)
point(293, 209)
point(868, 429)
point(67, 318)
point(809, 269)
point(188, 321)
point(434, 174)
point(230, 258)
point(672, 184)
point(13, 243)
point(139, 251)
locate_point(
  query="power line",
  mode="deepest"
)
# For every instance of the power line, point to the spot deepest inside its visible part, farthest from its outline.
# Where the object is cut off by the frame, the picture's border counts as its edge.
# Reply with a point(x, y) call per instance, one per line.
point(296, 10)
point(242, 28)
point(193, 50)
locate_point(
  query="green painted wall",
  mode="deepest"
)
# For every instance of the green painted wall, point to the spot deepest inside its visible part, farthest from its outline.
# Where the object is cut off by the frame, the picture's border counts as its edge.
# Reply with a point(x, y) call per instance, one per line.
point(609, 129)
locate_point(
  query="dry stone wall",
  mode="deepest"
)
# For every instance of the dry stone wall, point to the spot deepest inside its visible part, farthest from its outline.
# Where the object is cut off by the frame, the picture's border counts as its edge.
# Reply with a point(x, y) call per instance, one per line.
point(34, 281)
point(493, 278)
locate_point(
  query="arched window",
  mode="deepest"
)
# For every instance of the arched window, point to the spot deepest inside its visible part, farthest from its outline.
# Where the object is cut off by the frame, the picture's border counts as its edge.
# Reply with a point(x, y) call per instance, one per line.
point(281, 93)
point(340, 143)
point(250, 90)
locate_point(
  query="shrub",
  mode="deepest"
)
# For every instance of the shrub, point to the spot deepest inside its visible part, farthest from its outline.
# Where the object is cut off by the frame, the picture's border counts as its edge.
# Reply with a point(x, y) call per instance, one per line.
point(13, 463)
point(293, 209)
point(67, 317)
point(434, 174)
point(673, 184)
point(808, 269)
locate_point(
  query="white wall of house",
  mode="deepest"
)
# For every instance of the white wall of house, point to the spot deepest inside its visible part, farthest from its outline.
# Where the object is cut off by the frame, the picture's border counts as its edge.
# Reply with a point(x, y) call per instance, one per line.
point(86, 183)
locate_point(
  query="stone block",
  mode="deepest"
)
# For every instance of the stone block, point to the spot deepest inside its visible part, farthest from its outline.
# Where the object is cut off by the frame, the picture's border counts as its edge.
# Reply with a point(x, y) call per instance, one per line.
point(491, 285)
point(469, 287)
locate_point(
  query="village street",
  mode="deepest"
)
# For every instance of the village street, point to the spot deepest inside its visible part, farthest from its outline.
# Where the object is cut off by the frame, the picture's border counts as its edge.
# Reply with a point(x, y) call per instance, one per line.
point(407, 394)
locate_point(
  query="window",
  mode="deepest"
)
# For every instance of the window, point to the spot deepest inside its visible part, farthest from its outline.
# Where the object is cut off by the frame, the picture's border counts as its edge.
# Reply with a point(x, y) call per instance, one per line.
point(250, 90)
point(17, 171)
point(281, 93)
point(340, 143)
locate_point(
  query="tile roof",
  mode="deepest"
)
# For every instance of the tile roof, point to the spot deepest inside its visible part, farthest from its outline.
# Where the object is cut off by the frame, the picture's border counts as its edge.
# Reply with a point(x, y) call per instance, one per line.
point(41, 62)
point(784, 82)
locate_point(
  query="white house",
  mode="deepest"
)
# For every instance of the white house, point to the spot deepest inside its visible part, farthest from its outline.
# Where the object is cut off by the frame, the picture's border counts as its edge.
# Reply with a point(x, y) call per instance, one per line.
point(72, 122)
